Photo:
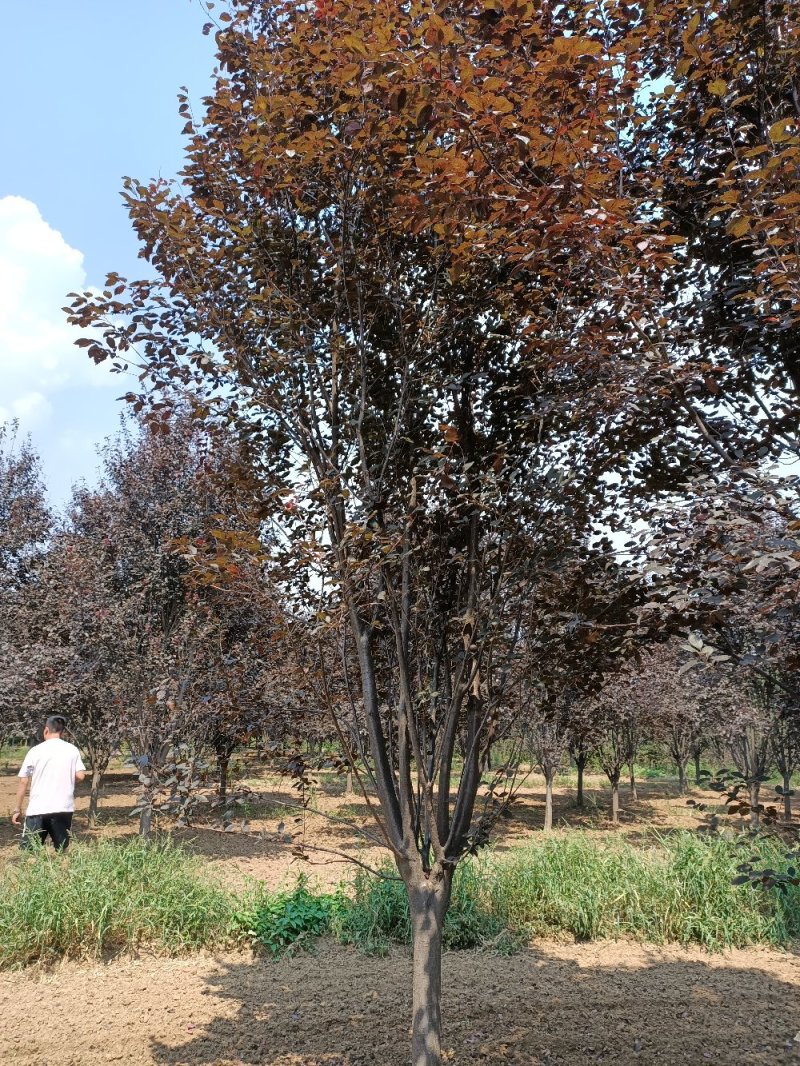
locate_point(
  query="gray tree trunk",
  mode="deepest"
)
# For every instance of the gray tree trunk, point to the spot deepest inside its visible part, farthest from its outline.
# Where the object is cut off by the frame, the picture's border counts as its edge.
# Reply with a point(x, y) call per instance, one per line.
point(615, 802)
point(634, 796)
point(223, 762)
point(755, 818)
point(428, 904)
point(697, 778)
point(787, 799)
point(581, 765)
point(349, 782)
point(548, 804)
point(146, 822)
point(682, 782)
point(94, 794)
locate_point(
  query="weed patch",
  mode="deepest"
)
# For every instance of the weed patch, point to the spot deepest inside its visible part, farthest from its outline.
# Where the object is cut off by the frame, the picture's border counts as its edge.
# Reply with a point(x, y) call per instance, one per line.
point(107, 898)
point(111, 897)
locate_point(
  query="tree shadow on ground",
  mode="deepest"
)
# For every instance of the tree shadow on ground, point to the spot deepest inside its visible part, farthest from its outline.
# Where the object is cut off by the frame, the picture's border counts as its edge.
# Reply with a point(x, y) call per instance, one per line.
point(595, 814)
point(339, 1008)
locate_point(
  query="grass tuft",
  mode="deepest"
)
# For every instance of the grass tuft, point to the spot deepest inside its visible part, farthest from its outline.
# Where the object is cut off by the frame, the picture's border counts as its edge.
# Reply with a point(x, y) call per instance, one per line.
point(109, 897)
point(676, 890)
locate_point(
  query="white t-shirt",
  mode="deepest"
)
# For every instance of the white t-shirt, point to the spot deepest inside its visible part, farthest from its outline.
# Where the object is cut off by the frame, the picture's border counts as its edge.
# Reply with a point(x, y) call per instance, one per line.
point(51, 767)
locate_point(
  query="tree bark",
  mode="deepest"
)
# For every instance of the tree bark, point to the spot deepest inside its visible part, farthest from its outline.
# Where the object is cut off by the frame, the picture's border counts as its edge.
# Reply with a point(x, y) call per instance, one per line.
point(580, 763)
point(349, 782)
point(787, 799)
point(697, 768)
point(682, 782)
point(548, 804)
point(634, 796)
point(94, 794)
point(146, 822)
point(755, 818)
point(223, 761)
point(428, 903)
point(615, 802)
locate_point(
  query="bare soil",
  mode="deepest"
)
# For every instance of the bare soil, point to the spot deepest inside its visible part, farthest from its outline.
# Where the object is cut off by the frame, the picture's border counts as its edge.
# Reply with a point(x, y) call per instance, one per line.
point(553, 1004)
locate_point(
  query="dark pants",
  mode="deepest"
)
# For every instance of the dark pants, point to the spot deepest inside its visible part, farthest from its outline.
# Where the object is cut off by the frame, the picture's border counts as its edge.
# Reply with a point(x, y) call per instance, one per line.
point(41, 826)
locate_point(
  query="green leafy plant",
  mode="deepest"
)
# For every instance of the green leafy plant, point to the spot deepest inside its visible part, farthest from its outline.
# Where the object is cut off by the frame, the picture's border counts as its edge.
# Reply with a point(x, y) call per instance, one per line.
point(286, 921)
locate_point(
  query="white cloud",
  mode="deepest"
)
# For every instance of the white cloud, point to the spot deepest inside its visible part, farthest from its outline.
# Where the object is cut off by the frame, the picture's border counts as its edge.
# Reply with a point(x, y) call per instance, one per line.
point(37, 270)
point(49, 385)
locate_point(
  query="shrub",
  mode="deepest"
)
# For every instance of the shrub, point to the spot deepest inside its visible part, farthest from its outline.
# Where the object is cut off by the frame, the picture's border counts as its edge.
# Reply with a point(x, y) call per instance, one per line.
point(283, 921)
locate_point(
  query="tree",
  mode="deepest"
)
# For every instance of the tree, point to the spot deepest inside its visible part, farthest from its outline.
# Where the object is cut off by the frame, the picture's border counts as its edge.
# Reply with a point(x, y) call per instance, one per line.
point(25, 525)
point(244, 666)
point(76, 649)
point(581, 632)
point(131, 647)
point(673, 704)
point(401, 267)
point(748, 733)
point(613, 749)
point(786, 754)
point(548, 743)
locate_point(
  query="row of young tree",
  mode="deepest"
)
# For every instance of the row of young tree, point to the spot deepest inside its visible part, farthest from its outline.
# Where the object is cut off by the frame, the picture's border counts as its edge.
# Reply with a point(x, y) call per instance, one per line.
point(101, 621)
point(151, 615)
point(473, 290)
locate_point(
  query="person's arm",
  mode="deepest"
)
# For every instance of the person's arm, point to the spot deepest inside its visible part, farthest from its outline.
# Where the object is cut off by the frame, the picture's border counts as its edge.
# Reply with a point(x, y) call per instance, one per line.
point(80, 770)
point(22, 788)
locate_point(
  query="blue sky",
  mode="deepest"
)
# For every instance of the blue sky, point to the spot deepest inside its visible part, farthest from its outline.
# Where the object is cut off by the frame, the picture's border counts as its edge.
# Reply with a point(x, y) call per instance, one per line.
point(89, 95)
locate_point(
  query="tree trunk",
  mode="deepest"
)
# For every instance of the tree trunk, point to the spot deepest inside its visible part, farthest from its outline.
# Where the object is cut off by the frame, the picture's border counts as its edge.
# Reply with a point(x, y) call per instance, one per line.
point(580, 763)
point(682, 782)
point(428, 904)
point(615, 802)
point(787, 799)
point(94, 794)
point(146, 822)
point(349, 782)
point(634, 796)
point(548, 804)
point(755, 818)
point(222, 762)
point(697, 768)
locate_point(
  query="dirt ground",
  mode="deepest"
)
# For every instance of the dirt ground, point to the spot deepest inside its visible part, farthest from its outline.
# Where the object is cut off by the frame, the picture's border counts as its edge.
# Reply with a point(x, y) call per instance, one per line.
point(338, 822)
point(608, 1003)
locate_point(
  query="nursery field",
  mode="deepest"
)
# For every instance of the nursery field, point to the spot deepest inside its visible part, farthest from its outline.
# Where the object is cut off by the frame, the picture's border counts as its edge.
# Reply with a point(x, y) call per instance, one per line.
point(333, 820)
point(574, 994)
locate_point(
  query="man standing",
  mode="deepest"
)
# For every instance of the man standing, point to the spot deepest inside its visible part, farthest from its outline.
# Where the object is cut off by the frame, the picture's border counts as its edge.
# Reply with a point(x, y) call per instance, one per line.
point(52, 768)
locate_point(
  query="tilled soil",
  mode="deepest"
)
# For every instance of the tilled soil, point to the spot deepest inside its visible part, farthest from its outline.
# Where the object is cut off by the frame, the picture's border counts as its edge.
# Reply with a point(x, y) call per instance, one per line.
point(615, 1003)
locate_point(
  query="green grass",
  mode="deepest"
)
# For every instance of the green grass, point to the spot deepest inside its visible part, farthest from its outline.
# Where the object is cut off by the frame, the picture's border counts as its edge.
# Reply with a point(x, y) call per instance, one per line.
point(12, 755)
point(375, 914)
point(109, 897)
point(676, 890)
